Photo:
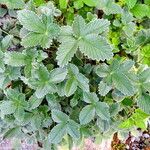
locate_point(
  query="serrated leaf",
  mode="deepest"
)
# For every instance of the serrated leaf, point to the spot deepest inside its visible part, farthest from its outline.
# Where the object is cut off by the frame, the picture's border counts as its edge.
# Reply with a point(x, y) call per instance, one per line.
point(10, 73)
point(90, 97)
point(15, 59)
point(129, 28)
point(70, 86)
point(57, 133)
point(130, 3)
point(117, 95)
point(140, 10)
point(86, 38)
point(78, 4)
point(53, 101)
point(58, 75)
point(15, 4)
point(78, 26)
point(87, 114)
point(34, 102)
point(13, 132)
point(3, 11)
point(43, 90)
point(73, 129)
point(114, 109)
point(104, 125)
point(103, 88)
point(7, 107)
point(102, 110)
point(102, 70)
point(41, 32)
point(5, 43)
point(33, 39)
point(27, 17)
point(63, 4)
point(109, 7)
point(127, 123)
point(122, 83)
point(83, 82)
point(118, 76)
point(96, 47)
point(66, 51)
point(143, 102)
point(90, 3)
point(59, 116)
point(144, 75)
point(19, 114)
point(96, 26)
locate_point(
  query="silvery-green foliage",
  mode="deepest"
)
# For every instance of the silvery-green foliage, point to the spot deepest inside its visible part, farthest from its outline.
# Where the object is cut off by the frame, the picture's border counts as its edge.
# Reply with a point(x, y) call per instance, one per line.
point(62, 82)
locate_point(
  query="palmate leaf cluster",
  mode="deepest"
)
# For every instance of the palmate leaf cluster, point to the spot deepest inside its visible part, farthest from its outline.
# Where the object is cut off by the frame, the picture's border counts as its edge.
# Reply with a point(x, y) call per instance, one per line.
point(66, 82)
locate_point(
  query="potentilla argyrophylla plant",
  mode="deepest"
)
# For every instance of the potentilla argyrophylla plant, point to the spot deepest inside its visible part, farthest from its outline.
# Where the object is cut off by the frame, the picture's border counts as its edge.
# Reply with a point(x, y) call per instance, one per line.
point(66, 78)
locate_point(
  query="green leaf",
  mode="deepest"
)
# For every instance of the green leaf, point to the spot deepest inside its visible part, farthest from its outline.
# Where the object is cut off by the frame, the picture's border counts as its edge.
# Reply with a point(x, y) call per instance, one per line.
point(3, 11)
point(123, 83)
point(127, 123)
point(90, 3)
point(140, 10)
point(114, 109)
point(63, 4)
point(104, 125)
point(2, 65)
point(120, 77)
point(53, 101)
point(129, 29)
point(87, 114)
point(96, 47)
point(78, 25)
point(144, 75)
point(41, 32)
point(142, 116)
point(44, 82)
point(70, 86)
point(78, 4)
point(96, 26)
point(147, 2)
point(8, 75)
point(34, 102)
point(83, 82)
point(73, 129)
point(86, 38)
point(43, 90)
point(7, 107)
point(90, 97)
point(138, 119)
point(38, 2)
point(109, 7)
point(66, 51)
point(15, 59)
point(59, 116)
point(102, 70)
point(13, 132)
point(13, 4)
point(102, 110)
point(131, 3)
point(27, 17)
point(103, 88)
point(5, 43)
point(143, 103)
point(58, 75)
point(19, 114)
point(78, 78)
point(57, 133)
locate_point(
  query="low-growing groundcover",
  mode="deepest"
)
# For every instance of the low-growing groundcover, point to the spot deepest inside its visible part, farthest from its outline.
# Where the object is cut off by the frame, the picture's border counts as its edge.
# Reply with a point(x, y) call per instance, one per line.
point(74, 69)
